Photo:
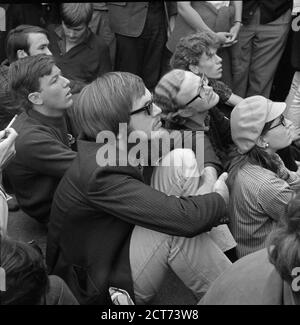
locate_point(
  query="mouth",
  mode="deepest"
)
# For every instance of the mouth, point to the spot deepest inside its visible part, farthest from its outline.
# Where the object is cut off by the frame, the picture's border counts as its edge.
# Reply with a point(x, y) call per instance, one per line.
point(157, 124)
point(69, 94)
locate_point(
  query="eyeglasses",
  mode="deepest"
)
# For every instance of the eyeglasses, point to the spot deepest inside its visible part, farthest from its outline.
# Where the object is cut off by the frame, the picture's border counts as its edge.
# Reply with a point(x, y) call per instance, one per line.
point(281, 122)
point(203, 82)
point(148, 108)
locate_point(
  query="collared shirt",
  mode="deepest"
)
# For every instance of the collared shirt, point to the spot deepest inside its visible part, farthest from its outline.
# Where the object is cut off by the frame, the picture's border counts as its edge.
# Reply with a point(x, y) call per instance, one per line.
point(85, 61)
point(258, 199)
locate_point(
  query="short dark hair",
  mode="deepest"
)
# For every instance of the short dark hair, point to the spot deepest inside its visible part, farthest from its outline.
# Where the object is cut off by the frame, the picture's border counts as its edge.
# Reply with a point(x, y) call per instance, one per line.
point(25, 273)
point(24, 76)
point(189, 49)
point(74, 14)
point(106, 102)
point(17, 39)
point(284, 242)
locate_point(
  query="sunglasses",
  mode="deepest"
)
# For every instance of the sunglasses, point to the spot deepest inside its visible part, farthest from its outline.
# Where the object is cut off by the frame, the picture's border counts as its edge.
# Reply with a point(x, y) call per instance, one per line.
point(281, 122)
point(203, 82)
point(148, 108)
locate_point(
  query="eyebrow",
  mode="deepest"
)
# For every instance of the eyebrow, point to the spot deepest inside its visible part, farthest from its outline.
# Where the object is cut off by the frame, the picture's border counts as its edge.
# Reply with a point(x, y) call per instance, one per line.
point(150, 100)
point(44, 44)
point(56, 75)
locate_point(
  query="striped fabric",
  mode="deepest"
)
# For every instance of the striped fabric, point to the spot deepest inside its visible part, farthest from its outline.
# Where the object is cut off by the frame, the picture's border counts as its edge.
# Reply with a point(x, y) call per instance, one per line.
point(258, 199)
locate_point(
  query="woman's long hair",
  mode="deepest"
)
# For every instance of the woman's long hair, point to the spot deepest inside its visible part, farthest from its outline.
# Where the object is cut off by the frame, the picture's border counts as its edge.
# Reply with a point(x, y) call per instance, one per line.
point(255, 156)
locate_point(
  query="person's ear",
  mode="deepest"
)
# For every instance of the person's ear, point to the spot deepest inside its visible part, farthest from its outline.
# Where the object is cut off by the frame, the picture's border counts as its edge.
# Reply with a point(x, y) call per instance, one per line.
point(194, 68)
point(21, 54)
point(35, 98)
point(262, 143)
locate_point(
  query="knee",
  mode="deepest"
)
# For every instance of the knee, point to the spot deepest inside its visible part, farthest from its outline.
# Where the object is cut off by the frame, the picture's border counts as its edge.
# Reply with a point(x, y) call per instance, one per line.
point(186, 159)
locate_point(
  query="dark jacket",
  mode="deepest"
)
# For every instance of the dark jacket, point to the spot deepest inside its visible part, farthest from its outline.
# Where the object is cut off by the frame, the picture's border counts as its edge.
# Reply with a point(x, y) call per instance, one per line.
point(128, 18)
point(35, 14)
point(42, 156)
point(93, 214)
point(85, 61)
point(269, 10)
point(296, 45)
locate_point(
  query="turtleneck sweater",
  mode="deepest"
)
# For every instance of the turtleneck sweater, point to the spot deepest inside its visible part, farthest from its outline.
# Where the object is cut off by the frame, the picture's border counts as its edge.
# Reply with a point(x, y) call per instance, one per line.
point(43, 154)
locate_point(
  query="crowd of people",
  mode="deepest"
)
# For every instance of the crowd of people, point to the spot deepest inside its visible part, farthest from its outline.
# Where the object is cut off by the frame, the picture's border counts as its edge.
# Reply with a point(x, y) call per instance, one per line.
point(142, 136)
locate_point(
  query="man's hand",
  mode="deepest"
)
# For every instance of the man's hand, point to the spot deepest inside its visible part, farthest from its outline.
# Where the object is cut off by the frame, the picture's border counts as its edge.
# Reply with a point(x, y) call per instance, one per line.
point(224, 37)
point(221, 187)
point(208, 179)
point(234, 30)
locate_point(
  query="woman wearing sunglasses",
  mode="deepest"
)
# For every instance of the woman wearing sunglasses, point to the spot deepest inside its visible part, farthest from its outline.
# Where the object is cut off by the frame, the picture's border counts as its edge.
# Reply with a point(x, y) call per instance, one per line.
point(189, 103)
point(260, 184)
point(186, 101)
point(198, 53)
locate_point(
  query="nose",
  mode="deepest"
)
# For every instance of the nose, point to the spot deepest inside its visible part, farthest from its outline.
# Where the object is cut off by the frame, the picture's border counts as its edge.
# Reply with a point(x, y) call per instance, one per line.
point(156, 110)
point(65, 81)
point(71, 33)
point(288, 123)
point(219, 59)
point(47, 51)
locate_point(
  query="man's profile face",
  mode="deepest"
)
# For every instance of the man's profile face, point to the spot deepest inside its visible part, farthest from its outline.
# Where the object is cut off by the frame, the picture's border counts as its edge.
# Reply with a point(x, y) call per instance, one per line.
point(55, 90)
point(38, 44)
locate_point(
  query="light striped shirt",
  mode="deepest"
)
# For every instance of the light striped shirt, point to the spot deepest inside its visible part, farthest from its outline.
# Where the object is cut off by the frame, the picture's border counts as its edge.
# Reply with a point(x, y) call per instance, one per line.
point(257, 201)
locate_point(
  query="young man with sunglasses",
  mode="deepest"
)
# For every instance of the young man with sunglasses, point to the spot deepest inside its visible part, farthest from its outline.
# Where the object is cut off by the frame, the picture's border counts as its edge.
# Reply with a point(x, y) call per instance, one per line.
point(124, 233)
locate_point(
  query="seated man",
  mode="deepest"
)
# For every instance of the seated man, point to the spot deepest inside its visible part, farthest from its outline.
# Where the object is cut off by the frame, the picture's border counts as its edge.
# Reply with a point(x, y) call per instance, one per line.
point(22, 41)
point(26, 279)
point(43, 145)
point(107, 227)
point(80, 54)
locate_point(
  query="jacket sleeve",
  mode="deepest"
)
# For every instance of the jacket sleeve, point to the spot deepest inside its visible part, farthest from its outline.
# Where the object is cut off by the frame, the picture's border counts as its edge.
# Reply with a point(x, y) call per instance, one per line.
point(133, 201)
point(104, 59)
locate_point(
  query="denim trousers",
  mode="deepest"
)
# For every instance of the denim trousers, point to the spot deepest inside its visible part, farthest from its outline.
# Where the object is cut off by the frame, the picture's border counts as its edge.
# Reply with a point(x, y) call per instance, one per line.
point(59, 293)
point(197, 261)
